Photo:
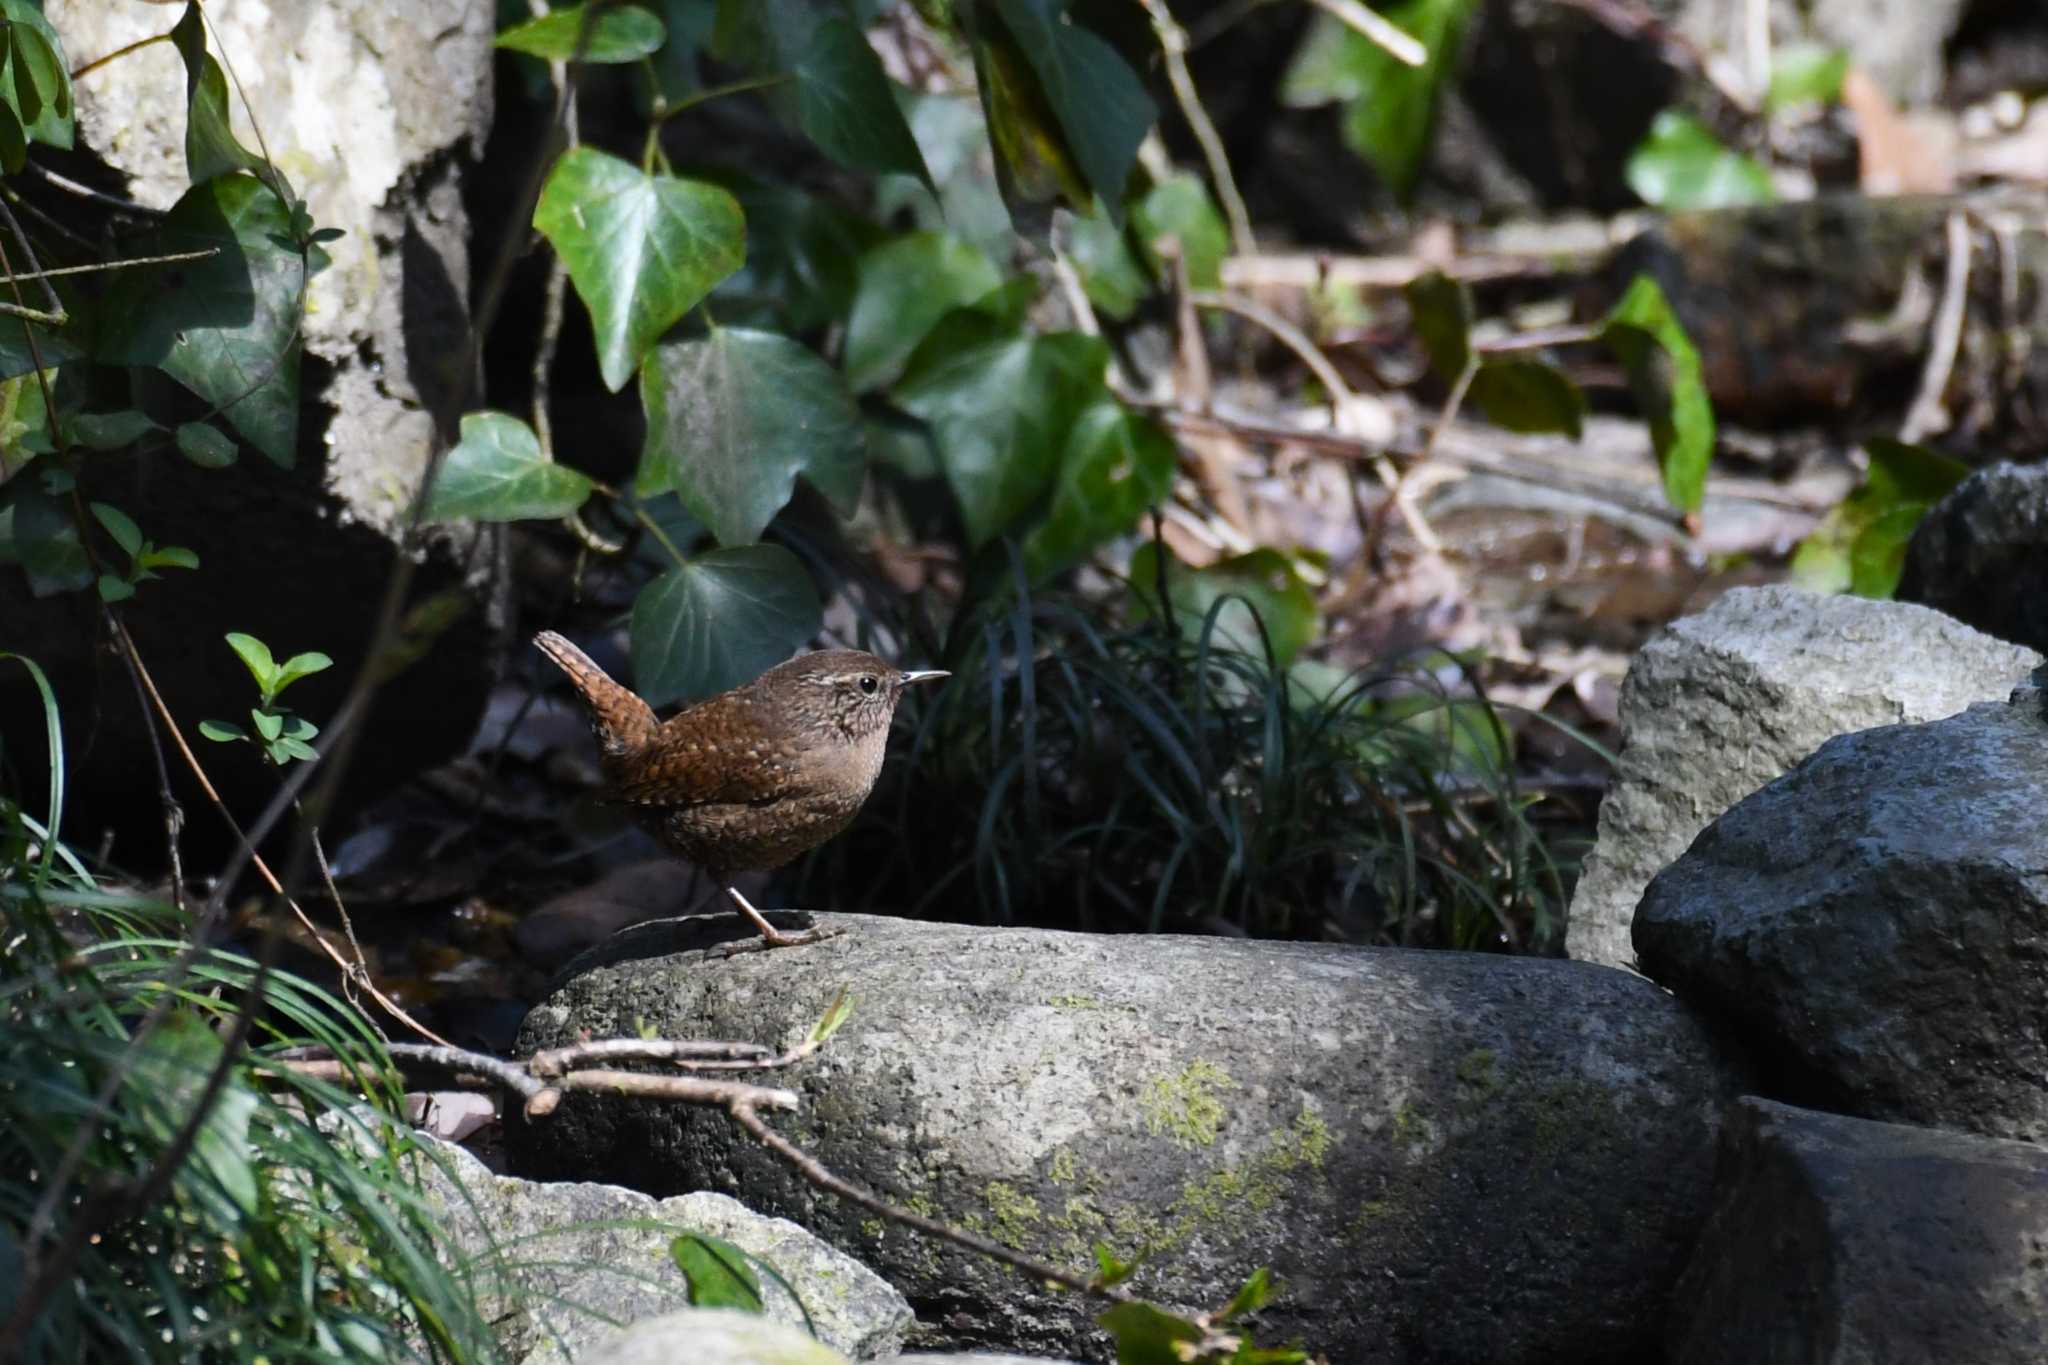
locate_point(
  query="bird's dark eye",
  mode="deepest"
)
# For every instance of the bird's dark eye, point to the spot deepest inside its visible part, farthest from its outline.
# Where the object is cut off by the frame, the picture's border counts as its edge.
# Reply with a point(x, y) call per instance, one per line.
point(868, 683)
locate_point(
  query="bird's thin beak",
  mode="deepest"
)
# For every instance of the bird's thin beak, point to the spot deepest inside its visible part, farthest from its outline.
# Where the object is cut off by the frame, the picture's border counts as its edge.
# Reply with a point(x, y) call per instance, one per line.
point(925, 675)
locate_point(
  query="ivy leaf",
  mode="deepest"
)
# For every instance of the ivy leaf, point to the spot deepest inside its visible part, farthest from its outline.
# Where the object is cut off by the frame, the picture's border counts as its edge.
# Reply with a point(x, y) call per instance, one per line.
point(721, 620)
point(1860, 546)
point(1000, 411)
point(1111, 273)
point(497, 472)
point(1116, 464)
point(1664, 374)
point(1529, 396)
point(1180, 207)
point(616, 33)
point(641, 249)
point(1257, 588)
point(1101, 105)
point(227, 327)
point(717, 1271)
point(732, 419)
point(803, 255)
point(839, 94)
point(1441, 311)
point(1682, 165)
point(905, 287)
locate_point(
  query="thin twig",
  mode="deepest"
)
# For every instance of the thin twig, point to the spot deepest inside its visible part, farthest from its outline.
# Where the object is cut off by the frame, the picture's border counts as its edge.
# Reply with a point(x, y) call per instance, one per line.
point(1399, 44)
point(1928, 413)
point(1173, 45)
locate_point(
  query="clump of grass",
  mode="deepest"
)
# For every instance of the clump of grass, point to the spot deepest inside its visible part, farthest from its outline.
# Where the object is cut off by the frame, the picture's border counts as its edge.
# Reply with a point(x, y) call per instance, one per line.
point(1164, 778)
point(267, 1238)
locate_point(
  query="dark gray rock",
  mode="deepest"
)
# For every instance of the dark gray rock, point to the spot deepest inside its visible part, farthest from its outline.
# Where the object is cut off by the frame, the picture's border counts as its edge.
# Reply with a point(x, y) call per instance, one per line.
point(1981, 554)
point(1837, 1240)
point(1875, 924)
point(1719, 703)
point(1442, 1156)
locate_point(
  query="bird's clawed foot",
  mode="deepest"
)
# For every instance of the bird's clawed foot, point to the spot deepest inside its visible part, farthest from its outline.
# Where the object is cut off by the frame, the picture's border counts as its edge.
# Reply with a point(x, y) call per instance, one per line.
point(771, 937)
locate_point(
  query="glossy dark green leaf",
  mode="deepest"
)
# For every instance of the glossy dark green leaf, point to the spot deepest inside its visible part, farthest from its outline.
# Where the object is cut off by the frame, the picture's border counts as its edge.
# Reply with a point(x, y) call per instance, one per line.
point(498, 472)
point(227, 328)
point(1257, 588)
point(717, 1271)
point(803, 255)
point(1682, 165)
point(47, 544)
point(1113, 277)
point(1664, 374)
point(641, 249)
point(1860, 546)
point(1147, 1335)
point(1442, 315)
point(1180, 207)
point(1000, 412)
point(721, 620)
point(588, 33)
point(733, 418)
point(1117, 465)
point(1390, 107)
point(1529, 396)
point(905, 287)
point(837, 91)
point(1100, 103)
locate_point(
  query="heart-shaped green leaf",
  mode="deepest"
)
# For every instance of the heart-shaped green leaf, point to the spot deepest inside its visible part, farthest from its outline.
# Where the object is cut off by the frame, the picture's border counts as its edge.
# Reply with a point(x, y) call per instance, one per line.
point(1529, 396)
point(641, 249)
point(1117, 464)
point(1860, 546)
point(721, 620)
point(588, 33)
point(905, 287)
point(1682, 165)
point(732, 419)
point(1000, 411)
point(1664, 374)
point(498, 472)
point(227, 328)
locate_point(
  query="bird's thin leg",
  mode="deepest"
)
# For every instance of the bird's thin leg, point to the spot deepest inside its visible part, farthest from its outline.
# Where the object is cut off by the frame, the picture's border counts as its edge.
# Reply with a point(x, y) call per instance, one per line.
point(772, 937)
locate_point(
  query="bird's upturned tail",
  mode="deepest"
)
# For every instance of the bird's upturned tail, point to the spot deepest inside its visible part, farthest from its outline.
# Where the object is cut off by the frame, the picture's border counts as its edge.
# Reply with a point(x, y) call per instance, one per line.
point(623, 723)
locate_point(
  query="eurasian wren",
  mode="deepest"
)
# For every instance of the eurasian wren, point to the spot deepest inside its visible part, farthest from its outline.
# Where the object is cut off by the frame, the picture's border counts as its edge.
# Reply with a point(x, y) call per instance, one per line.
point(748, 779)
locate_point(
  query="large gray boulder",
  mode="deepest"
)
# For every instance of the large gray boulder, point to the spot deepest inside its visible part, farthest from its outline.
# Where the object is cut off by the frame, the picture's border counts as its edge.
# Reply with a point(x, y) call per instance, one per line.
point(1981, 554)
point(1718, 704)
point(1875, 923)
point(710, 1336)
point(1837, 1240)
point(1442, 1156)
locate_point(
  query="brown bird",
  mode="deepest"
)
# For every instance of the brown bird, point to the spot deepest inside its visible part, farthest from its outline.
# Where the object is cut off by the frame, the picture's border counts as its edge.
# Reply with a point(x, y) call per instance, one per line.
point(748, 779)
